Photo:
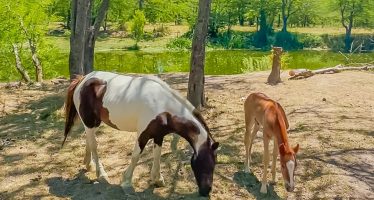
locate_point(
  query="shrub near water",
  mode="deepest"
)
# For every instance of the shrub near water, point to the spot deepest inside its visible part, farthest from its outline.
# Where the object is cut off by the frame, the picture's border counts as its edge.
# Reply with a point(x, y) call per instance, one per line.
point(180, 43)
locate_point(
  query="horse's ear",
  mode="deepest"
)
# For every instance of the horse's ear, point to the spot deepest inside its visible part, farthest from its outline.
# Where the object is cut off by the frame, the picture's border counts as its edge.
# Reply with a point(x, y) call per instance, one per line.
point(296, 148)
point(215, 146)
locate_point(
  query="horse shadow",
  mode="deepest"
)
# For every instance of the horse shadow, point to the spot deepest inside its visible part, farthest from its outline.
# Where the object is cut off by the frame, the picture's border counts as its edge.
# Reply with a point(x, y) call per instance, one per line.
point(253, 185)
point(81, 187)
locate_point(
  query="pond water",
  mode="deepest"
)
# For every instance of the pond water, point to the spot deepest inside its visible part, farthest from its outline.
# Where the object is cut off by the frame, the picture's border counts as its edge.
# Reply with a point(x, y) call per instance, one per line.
point(218, 62)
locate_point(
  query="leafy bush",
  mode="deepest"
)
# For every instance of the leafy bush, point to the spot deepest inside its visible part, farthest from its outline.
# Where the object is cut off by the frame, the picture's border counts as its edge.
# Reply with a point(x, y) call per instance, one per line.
point(180, 43)
point(310, 41)
point(336, 42)
point(288, 41)
point(137, 26)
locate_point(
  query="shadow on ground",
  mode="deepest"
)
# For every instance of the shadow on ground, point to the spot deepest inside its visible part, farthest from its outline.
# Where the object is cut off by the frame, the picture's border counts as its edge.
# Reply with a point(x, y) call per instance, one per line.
point(253, 185)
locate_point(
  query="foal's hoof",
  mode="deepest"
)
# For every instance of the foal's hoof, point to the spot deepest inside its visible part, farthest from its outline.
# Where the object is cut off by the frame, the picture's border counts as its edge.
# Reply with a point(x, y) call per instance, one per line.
point(263, 189)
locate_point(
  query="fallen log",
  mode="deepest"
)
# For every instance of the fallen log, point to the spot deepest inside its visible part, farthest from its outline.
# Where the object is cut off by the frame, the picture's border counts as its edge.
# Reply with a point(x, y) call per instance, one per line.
point(305, 73)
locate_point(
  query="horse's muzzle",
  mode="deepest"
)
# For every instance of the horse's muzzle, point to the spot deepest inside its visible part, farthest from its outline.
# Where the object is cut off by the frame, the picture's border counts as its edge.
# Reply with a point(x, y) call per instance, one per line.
point(205, 191)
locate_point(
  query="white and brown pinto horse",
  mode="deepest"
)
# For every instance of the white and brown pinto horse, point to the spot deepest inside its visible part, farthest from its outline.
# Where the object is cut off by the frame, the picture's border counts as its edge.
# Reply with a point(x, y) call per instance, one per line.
point(145, 105)
point(260, 110)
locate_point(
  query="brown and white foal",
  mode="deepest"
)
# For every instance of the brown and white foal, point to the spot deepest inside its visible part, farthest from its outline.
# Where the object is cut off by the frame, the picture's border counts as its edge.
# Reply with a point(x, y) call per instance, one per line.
point(145, 105)
point(260, 110)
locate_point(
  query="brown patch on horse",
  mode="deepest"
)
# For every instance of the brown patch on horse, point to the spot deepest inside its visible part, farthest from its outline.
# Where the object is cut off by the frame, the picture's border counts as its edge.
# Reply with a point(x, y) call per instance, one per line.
point(164, 124)
point(91, 106)
point(70, 110)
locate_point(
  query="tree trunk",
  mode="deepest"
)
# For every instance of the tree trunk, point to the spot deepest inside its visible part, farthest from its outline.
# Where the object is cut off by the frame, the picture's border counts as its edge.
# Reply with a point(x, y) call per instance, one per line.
point(83, 35)
point(284, 28)
point(141, 4)
point(263, 31)
point(274, 77)
point(284, 16)
point(241, 19)
point(196, 78)
point(21, 70)
point(79, 11)
point(36, 61)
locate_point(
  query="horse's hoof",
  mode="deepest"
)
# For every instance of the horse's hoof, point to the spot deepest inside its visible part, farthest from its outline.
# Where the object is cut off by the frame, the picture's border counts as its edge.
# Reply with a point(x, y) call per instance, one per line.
point(247, 170)
point(103, 179)
point(159, 183)
point(127, 187)
point(263, 189)
point(90, 166)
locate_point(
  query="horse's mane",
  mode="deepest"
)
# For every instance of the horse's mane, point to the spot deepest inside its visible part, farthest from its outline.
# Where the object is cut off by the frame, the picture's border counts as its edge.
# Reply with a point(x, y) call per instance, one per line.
point(184, 101)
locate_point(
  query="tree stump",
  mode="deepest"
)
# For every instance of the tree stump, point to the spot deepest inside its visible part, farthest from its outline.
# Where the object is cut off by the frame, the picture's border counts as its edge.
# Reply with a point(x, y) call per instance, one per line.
point(274, 77)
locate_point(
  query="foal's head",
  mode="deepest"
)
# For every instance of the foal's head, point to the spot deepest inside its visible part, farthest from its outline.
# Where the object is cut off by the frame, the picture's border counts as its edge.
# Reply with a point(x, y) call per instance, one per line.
point(288, 165)
point(203, 162)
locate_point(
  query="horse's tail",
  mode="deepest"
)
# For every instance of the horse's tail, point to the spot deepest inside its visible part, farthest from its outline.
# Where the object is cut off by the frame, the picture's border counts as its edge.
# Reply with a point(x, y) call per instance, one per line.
point(70, 110)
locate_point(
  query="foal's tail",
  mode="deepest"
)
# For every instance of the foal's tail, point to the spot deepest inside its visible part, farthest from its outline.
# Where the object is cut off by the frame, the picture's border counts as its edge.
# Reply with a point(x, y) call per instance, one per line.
point(70, 110)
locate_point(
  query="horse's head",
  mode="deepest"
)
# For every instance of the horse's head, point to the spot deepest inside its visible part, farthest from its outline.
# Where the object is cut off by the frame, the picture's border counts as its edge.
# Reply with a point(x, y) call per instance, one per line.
point(288, 165)
point(203, 162)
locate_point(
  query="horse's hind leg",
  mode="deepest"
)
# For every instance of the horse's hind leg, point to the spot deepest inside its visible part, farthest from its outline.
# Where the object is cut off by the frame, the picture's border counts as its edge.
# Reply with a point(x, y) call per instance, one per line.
point(156, 176)
point(92, 145)
point(127, 175)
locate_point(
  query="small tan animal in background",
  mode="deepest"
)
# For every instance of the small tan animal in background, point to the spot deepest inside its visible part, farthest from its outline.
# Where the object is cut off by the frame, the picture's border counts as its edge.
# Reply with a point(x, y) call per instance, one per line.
point(260, 110)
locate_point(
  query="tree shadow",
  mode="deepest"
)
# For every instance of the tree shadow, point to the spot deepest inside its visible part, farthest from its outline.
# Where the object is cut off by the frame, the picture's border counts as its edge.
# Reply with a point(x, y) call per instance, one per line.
point(253, 185)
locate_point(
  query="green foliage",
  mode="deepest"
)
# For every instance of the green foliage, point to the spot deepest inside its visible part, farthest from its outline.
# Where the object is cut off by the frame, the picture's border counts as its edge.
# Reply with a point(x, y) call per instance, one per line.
point(180, 43)
point(137, 26)
point(288, 41)
point(251, 64)
point(336, 42)
point(310, 40)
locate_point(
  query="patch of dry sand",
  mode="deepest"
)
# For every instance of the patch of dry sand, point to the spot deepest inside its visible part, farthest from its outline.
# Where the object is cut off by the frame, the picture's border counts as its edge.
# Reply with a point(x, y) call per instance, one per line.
point(336, 137)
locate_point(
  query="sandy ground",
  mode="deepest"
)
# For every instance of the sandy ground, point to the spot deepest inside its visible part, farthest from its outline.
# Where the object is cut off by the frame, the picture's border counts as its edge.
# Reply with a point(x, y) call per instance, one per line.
point(336, 136)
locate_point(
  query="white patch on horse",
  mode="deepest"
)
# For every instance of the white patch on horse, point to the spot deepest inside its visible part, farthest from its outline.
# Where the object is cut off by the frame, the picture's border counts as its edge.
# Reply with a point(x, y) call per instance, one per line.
point(291, 167)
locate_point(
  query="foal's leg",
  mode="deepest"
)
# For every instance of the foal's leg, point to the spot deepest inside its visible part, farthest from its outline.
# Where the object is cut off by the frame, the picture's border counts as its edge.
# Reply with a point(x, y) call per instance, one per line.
point(92, 145)
point(274, 162)
point(266, 163)
point(156, 176)
point(249, 142)
point(249, 122)
point(127, 175)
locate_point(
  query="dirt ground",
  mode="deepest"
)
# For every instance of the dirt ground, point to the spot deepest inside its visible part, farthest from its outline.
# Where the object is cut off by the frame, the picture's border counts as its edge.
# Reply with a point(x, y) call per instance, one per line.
point(336, 137)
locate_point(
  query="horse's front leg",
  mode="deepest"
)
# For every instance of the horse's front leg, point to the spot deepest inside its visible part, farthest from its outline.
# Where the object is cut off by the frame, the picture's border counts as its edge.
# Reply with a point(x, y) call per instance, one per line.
point(156, 176)
point(92, 146)
point(266, 163)
point(127, 175)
